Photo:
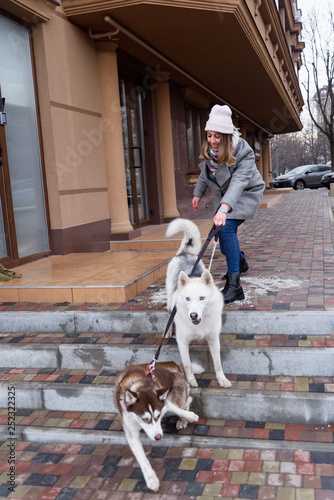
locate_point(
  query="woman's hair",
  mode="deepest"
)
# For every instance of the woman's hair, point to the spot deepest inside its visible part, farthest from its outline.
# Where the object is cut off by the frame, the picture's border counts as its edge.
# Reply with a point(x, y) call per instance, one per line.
point(225, 152)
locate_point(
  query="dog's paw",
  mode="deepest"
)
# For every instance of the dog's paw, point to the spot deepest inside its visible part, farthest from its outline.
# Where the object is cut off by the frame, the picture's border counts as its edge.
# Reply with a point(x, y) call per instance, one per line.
point(193, 383)
point(181, 423)
point(152, 482)
point(192, 417)
point(223, 382)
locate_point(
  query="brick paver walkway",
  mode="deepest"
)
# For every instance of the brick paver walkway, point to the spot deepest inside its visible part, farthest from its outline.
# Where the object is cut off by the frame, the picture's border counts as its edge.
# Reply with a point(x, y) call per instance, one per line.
point(290, 249)
point(79, 472)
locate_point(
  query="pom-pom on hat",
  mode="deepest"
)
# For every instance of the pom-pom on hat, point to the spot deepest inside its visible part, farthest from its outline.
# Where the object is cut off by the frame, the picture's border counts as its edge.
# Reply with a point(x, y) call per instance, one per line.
point(220, 120)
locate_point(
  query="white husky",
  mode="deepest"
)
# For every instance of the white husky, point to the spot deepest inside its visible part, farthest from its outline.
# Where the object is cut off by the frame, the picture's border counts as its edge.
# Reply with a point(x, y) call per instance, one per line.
point(199, 303)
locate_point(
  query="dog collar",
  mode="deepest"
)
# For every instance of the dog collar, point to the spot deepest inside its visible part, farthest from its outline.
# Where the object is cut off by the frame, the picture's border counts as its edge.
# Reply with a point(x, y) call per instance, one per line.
point(150, 369)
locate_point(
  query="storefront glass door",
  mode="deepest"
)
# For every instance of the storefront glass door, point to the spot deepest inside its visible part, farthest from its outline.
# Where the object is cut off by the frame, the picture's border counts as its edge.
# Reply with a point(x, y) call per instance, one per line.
point(134, 152)
point(21, 174)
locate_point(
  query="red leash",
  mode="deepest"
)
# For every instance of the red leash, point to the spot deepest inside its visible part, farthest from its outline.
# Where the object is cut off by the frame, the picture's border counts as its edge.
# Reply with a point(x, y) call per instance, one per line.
point(151, 368)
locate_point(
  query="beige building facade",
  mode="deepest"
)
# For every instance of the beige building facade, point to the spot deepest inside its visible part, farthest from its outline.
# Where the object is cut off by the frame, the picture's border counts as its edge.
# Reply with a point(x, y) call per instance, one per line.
point(103, 105)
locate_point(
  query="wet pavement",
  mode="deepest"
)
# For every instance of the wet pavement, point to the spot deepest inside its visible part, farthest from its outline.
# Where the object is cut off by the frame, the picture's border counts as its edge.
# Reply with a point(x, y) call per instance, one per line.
point(290, 250)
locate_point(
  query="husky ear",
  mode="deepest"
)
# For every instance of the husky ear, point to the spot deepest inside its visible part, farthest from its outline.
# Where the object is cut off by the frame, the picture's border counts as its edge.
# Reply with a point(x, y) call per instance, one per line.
point(206, 277)
point(183, 279)
point(162, 394)
point(130, 397)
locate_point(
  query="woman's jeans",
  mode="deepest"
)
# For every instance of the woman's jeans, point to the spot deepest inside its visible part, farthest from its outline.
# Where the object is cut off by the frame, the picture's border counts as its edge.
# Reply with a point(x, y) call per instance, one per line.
point(229, 245)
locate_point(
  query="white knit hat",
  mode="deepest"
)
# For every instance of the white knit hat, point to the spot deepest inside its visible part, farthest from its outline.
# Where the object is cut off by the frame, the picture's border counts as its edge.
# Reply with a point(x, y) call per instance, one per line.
point(220, 120)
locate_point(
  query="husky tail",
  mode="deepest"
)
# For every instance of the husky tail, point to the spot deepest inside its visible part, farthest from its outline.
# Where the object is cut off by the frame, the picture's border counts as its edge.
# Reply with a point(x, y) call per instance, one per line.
point(191, 242)
point(197, 368)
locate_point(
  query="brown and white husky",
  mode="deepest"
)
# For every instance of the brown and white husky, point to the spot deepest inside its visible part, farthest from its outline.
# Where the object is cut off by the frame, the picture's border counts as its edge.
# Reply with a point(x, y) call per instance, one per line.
point(142, 400)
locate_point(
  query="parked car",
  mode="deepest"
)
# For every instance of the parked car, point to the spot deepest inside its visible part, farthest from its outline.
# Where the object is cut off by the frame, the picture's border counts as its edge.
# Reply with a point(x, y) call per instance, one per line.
point(305, 176)
point(327, 179)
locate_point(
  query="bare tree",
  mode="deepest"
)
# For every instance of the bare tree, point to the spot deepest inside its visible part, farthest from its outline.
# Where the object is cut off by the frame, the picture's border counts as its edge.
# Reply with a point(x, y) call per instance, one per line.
point(318, 33)
point(288, 151)
point(298, 148)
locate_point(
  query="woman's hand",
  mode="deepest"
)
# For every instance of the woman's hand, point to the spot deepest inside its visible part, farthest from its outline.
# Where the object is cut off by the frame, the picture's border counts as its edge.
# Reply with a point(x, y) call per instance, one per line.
point(220, 217)
point(195, 202)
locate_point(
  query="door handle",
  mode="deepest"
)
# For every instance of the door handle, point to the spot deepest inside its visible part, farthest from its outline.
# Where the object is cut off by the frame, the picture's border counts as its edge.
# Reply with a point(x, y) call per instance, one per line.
point(137, 157)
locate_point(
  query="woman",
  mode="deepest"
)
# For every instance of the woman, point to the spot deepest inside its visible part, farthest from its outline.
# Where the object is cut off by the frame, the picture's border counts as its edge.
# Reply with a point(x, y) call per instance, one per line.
point(228, 167)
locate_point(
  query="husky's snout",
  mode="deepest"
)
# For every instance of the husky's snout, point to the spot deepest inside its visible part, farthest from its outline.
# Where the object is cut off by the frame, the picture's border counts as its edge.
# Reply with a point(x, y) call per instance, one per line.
point(157, 437)
point(194, 318)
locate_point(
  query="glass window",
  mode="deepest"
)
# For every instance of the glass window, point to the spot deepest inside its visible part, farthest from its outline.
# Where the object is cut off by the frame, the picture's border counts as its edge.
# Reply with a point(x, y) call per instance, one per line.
point(193, 124)
point(139, 158)
point(22, 139)
point(134, 152)
point(125, 133)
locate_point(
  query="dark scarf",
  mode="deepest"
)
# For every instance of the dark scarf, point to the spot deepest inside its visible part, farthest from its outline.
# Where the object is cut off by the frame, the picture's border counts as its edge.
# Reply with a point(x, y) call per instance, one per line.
point(212, 164)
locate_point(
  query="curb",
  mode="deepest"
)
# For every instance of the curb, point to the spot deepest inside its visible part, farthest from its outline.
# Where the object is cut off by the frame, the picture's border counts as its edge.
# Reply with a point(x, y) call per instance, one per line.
point(134, 321)
point(91, 437)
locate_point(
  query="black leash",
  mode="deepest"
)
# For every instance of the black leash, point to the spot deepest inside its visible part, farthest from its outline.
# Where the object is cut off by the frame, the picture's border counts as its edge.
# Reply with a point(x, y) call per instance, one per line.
point(214, 232)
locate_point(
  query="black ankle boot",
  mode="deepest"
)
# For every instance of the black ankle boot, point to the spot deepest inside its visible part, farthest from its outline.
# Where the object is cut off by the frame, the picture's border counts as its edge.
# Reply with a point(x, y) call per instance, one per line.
point(233, 290)
point(243, 266)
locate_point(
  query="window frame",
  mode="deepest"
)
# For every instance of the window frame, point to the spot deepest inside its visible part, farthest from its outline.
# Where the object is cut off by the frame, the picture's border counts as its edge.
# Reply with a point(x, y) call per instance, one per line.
point(193, 137)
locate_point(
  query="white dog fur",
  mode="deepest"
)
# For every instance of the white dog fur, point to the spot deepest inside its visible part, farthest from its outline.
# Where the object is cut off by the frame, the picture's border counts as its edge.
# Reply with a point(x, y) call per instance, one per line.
point(199, 303)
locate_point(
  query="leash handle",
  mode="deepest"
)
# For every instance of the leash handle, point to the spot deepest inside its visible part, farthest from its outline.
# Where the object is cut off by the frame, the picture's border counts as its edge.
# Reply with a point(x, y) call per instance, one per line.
point(213, 249)
point(212, 254)
point(214, 232)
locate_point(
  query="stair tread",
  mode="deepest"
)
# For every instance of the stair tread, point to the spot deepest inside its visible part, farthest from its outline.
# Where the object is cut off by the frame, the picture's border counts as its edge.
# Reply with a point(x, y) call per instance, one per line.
point(205, 381)
point(228, 340)
point(111, 422)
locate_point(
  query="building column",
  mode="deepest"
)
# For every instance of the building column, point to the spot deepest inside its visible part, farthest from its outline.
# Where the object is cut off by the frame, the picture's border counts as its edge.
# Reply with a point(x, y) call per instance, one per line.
point(259, 153)
point(112, 136)
point(243, 131)
point(166, 147)
point(267, 165)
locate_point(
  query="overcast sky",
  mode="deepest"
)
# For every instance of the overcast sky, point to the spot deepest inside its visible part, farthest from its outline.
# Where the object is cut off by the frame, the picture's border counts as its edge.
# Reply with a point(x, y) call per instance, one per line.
point(306, 6)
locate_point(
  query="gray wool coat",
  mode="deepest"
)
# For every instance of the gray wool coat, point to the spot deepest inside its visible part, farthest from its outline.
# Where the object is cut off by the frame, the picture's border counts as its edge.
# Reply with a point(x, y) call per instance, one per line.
point(240, 186)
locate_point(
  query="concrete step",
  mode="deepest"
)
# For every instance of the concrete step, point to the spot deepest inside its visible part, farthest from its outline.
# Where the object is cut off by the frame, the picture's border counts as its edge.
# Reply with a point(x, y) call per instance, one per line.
point(250, 405)
point(272, 361)
point(145, 244)
point(170, 439)
point(269, 399)
point(154, 321)
point(94, 427)
point(287, 393)
point(152, 238)
point(270, 199)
